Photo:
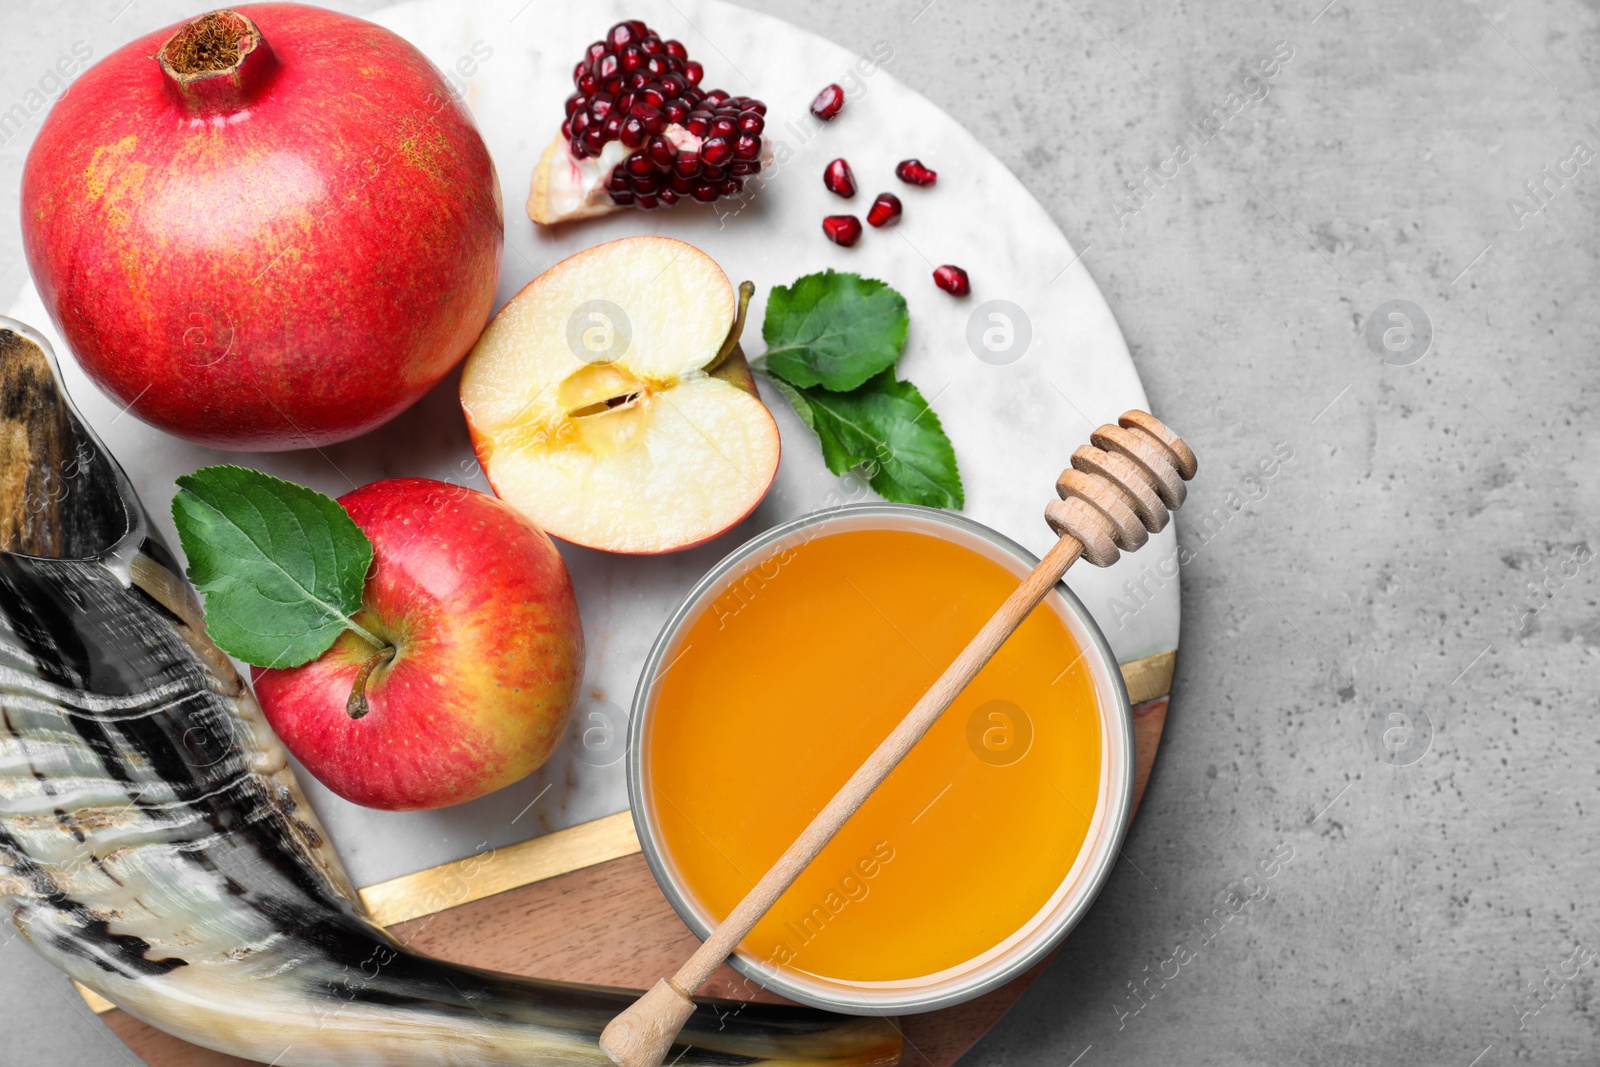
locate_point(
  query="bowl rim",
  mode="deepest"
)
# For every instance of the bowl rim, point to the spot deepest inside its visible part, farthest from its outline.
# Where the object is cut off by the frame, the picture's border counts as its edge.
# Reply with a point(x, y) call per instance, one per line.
point(1039, 942)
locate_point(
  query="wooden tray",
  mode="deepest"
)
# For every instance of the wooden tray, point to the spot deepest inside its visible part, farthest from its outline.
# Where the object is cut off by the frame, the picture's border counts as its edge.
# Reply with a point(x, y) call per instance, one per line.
point(584, 908)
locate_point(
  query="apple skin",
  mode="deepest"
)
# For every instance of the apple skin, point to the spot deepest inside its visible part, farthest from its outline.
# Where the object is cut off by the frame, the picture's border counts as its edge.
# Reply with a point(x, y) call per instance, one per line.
point(488, 658)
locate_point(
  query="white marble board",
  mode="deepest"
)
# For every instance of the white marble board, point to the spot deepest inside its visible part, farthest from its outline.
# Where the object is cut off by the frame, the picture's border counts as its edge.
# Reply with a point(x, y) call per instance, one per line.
point(1014, 424)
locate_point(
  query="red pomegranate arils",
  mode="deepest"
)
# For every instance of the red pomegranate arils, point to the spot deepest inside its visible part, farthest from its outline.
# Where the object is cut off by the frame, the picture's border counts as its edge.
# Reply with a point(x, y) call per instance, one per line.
point(952, 280)
point(912, 172)
point(842, 229)
point(828, 103)
point(839, 178)
point(884, 210)
point(633, 86)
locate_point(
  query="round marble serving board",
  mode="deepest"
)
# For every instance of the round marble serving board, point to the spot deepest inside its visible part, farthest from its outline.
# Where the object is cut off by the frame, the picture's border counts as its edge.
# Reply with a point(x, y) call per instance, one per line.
point(1014, 416)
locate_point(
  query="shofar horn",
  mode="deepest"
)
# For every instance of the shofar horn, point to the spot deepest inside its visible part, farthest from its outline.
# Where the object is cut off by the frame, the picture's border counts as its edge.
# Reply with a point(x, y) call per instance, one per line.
point(155, 845)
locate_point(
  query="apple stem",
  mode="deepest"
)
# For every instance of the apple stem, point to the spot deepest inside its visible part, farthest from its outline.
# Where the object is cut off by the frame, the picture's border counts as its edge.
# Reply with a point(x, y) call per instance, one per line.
point(357, 705)
point(746, 291)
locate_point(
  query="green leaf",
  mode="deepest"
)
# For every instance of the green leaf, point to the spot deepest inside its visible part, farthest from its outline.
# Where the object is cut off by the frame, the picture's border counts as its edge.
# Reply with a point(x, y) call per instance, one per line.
point(281, 566)
point(886, 427)
point(834, 330)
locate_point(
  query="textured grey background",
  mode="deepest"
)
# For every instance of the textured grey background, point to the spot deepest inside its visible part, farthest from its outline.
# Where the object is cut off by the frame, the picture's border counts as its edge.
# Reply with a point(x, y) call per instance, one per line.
point(1434, 910)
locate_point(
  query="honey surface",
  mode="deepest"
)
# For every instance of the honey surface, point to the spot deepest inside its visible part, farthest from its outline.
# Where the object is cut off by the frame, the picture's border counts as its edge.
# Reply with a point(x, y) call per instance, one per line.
point(785, 685)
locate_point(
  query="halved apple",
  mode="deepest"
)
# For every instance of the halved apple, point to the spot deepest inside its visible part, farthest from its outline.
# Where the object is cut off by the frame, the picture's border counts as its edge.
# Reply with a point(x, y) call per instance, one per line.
point(610, 402)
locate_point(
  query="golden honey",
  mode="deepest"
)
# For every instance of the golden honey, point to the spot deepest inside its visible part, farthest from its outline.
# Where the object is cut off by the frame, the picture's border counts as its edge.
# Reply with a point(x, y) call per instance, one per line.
point(785, 682)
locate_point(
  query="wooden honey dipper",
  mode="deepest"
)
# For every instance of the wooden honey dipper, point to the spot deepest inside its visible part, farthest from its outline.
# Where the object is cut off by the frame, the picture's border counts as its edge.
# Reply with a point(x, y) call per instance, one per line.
point(1120, 489)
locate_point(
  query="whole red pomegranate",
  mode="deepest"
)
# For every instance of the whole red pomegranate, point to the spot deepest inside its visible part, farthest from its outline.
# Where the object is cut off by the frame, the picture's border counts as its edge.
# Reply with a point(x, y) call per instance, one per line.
point(270, 227)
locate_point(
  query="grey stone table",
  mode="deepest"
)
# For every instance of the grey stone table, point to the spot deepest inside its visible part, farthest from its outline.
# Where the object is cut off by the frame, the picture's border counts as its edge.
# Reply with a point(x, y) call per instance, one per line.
point(1366, 840)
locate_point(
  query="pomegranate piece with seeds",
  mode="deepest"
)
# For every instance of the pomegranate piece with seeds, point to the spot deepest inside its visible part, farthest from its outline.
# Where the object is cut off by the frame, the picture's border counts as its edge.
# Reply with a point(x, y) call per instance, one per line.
point(952, 279)
point(912, 172)
point(839, 178)
point(884, 210)
point(842, 229)
point(828, 103)
point(641, 131)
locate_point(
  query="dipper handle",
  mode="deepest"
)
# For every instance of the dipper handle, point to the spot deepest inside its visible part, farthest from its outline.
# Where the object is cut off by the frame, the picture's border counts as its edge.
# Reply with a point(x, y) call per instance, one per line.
point(1119, 490)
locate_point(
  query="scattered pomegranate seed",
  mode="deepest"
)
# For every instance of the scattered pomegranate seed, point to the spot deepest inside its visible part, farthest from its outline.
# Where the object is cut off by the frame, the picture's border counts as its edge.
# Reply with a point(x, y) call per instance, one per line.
point(952, 280)
point(913, 172)
point(884, 210)
point(839, 178)
point(631, 86)
point(845, 230)
point(828, 103)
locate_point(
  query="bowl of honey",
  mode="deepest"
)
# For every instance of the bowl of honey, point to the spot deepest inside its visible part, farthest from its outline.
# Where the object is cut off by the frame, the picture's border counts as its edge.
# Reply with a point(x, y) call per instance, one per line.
point(777, 676)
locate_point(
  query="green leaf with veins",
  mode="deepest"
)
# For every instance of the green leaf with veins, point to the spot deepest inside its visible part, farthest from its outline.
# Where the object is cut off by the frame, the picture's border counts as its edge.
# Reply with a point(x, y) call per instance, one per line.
point(281, 566)
point(833, 329)
point(887, 427)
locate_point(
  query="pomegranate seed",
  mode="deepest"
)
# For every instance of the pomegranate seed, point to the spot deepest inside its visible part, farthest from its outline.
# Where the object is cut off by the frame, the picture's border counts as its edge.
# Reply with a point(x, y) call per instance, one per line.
point(912, 172)
point(631, 85)
point(839, 178)
point(952, 280)
point(651, 119)
point(844, 230)
point(884, 210)
point(828, 103)
point(661, 152)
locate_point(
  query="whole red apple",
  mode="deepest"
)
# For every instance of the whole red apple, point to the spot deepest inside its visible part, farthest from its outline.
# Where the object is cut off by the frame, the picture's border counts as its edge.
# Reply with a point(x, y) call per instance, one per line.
point(482, 662)
point(269, 227)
